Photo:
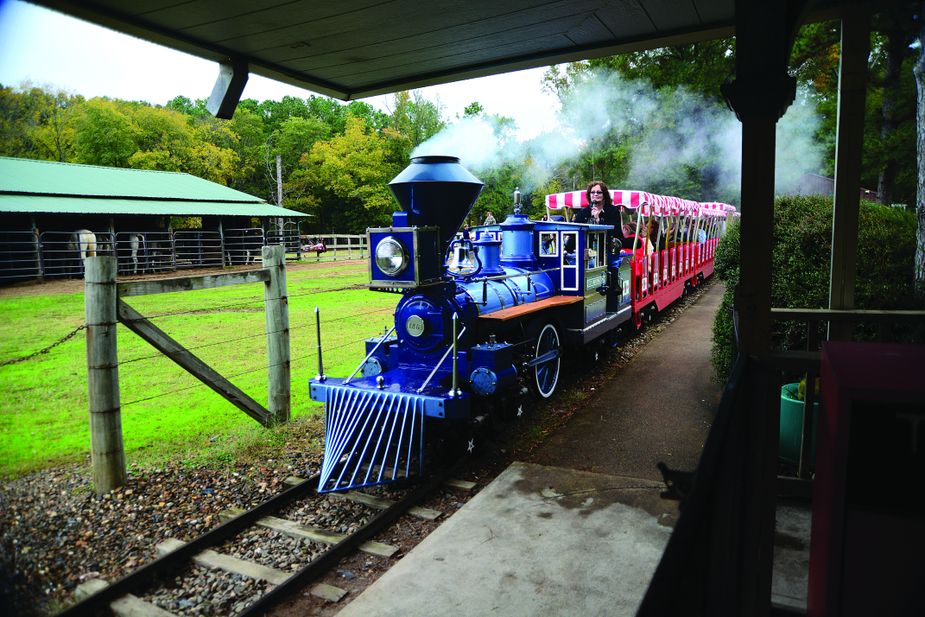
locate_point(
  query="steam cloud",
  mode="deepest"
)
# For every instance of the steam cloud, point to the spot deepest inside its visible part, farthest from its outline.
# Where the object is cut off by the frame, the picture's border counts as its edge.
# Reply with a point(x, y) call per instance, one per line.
point(670, 131)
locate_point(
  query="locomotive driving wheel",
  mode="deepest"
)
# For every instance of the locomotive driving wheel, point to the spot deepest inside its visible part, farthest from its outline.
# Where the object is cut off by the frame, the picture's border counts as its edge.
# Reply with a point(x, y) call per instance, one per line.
point(546, 361)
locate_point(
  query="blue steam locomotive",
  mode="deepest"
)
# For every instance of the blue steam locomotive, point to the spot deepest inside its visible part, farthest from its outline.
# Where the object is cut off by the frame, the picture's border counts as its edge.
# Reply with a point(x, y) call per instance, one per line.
point(479, 319)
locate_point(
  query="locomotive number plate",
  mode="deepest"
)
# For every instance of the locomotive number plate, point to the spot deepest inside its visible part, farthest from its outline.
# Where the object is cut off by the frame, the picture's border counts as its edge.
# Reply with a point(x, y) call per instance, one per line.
point(415, 325)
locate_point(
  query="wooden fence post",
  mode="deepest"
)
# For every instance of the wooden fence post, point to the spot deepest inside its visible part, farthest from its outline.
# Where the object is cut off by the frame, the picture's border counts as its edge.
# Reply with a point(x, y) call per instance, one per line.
point(107, 453)
point(277, 310)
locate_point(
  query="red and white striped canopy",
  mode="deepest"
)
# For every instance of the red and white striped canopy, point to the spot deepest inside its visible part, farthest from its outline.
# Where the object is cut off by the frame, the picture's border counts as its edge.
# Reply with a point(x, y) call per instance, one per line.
point(651, 204)
point(579, 199)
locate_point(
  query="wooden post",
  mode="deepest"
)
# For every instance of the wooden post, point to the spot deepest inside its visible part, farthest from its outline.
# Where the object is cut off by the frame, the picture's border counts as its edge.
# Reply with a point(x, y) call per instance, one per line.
point(221, 242)
point(277, 310)
point(107, 453)
point(852, 89)
point(37, 246)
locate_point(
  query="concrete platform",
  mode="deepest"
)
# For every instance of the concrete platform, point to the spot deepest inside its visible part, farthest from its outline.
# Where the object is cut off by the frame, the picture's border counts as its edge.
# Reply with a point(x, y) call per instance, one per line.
point(580, 528)
point(536, 541)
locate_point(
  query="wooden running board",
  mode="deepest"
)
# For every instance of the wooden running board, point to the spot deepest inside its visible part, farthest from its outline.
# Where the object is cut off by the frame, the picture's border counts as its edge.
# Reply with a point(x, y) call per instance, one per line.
point(531, 307)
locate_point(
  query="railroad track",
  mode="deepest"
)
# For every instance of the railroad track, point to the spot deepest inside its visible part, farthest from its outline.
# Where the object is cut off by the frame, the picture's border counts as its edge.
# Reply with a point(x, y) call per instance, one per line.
point(175, 556)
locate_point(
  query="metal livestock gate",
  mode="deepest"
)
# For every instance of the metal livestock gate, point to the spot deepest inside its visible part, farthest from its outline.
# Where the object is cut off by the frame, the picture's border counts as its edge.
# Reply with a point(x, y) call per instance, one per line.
point(64, 253)
point(25, 255)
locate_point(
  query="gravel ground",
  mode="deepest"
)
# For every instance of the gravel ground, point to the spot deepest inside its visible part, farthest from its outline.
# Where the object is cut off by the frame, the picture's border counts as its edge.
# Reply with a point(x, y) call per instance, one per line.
point(55, 533)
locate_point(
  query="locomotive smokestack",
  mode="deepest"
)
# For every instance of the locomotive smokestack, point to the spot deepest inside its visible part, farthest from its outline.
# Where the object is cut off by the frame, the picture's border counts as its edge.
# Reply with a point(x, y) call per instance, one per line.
point(436, 190)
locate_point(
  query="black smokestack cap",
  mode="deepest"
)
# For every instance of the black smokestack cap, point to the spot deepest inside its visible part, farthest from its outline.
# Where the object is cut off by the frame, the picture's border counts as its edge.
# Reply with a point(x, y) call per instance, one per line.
point(436, 191)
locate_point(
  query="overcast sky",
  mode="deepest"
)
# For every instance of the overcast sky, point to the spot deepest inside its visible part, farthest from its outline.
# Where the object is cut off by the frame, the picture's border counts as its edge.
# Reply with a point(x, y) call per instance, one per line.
point(52, 50)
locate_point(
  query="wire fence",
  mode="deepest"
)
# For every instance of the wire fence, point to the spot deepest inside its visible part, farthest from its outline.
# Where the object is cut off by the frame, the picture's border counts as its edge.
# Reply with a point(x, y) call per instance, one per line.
point(307, 323)
point(28, 255)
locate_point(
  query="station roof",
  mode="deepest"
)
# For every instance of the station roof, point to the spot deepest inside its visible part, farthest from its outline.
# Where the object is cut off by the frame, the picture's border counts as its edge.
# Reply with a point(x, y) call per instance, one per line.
point(360, 48)
point(28, 186)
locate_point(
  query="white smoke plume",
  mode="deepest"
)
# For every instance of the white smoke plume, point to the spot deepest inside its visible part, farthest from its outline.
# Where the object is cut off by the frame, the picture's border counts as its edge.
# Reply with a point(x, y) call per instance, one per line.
point(670, 132)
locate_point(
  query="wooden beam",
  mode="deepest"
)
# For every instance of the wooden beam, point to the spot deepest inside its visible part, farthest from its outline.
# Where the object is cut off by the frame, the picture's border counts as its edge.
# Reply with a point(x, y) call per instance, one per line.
point(849, 141)
point(228, 88)
point(191, 283)
point(158, 339)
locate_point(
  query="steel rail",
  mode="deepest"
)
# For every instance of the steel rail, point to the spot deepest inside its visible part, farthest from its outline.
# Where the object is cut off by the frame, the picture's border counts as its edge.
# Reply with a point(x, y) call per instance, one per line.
point(149, 573)
point(324, 562)
point(146, 574)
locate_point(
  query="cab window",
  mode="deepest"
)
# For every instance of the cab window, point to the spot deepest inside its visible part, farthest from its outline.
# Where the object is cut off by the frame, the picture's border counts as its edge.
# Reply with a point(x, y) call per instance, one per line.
point(549, 244)
point(595, 250)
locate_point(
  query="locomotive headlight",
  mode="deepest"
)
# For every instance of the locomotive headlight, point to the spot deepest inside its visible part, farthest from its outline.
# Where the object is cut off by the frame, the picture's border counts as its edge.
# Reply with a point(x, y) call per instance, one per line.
point(391, 256)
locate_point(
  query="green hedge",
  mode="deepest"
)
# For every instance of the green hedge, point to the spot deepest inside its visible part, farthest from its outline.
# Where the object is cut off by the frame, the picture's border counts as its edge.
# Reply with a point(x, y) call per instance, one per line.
point(800, 262)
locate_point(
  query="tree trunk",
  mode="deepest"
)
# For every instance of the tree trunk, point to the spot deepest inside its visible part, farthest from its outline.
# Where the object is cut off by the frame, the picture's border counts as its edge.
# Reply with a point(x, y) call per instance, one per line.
point(896, 52)
point(919, 72)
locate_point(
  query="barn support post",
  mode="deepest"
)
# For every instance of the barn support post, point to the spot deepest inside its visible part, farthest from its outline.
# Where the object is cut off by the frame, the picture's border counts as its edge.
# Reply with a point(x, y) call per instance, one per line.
point(277, 312)
point(221, 242)
point(37, 246)
point(107, 453)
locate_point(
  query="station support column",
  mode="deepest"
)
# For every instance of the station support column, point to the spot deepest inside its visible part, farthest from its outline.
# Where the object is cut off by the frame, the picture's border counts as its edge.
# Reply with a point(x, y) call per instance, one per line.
point(742, 557)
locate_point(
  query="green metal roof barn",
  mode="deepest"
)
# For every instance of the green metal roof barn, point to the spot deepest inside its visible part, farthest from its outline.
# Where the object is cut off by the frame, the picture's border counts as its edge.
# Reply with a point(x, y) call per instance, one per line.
point(28, 186)
point(53, 215)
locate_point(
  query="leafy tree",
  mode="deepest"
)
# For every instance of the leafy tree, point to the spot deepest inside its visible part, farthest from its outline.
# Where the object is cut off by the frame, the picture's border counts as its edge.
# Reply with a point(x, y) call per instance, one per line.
point(344, 180)
point(374, 118)
point(195, 109)
point(290, 141)
point(160, 134)
point(700, 67)
point(54, 135)
point(416, 117)
point(105, 134)
point(246, 138)
point(274, 113)
point(37, 124)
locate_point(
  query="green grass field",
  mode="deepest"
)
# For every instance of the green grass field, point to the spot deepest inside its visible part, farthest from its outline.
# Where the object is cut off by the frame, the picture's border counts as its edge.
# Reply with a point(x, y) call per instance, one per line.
point(167, 414)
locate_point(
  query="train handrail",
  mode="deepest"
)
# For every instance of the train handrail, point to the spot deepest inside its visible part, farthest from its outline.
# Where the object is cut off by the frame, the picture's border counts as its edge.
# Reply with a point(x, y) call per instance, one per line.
point(370, 354)
point(442, 360)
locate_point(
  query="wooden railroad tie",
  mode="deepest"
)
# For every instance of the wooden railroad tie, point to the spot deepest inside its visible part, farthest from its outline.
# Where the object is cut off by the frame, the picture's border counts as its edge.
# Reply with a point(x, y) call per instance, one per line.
point(459, 485)
point(303, 532)
point(372, 501)
point(126, 606)
point(219, 561)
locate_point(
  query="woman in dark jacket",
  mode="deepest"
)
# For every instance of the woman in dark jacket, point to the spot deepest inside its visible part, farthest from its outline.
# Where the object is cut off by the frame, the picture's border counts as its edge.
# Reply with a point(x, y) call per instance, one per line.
point(601, 210)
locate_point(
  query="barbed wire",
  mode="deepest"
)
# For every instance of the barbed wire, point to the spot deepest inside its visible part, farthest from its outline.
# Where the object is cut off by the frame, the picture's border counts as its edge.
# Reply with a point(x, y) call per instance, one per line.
point(202, 346)
point(240, 373)
point(220, 307)
point(44, 350)
point(212, 309)
point(256, 335)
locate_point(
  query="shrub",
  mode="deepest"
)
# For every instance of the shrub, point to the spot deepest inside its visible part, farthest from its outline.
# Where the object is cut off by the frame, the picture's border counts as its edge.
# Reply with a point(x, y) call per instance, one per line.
point(800, 264)
point(726, 267)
